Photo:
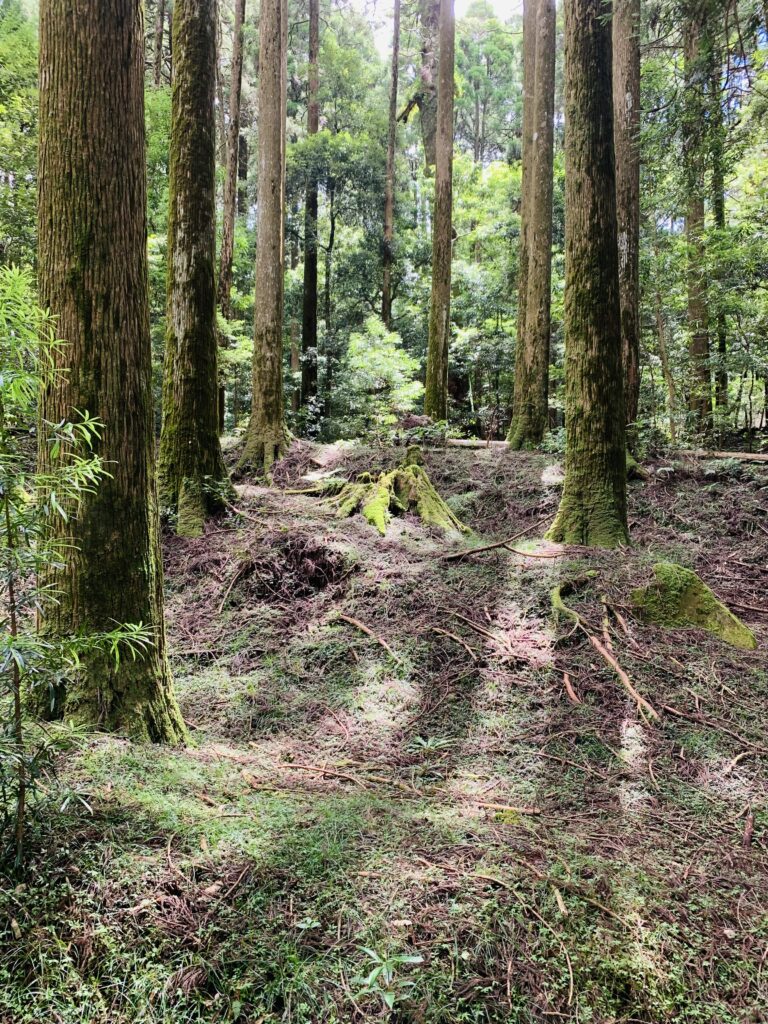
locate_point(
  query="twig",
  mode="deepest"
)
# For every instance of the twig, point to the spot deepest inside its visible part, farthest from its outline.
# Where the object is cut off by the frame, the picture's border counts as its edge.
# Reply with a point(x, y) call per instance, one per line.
point(506, 807)
point(497, 544)
point(642, 703)
point(243, 515)
point(701, 720)
point(749, 608)
point(573, 697)
point(477, 628)
point(369, 632)
point(464, 644)
point(535, 554)
point(241, 569)
point(537, 915)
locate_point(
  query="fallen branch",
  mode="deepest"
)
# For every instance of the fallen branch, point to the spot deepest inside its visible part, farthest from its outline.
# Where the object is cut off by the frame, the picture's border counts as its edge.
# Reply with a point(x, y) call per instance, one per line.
point(702, 453)
point(642, 704)
point(507, 807)
point(369, 632)
point(497, 544)
point(701, 720)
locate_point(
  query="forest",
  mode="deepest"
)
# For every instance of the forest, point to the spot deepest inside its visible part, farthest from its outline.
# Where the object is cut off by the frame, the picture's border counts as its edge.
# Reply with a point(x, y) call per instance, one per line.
point(383, 511)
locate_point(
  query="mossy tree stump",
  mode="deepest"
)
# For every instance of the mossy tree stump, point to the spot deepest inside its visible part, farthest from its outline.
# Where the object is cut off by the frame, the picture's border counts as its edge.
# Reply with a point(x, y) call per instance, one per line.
point(404, 489)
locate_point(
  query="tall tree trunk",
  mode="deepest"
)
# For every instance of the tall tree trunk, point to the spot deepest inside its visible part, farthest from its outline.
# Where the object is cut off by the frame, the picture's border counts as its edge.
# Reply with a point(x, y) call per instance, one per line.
point(626, 127)
point(92, 274)
point(265, 435)
point(532, 363)
point(389, 187)
point(529, 84)
point(233, 158)
point(328, 305)
point(426, 99)
point(191, 468)
point(232, 175)
point(700, 385)
point(593, 507)
point(309, 309)
point(436, 394)
point(157, 73)
point(717, 150)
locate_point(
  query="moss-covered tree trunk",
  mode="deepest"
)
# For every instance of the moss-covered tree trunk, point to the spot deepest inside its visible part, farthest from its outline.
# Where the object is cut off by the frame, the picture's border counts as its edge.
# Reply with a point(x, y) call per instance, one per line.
point(229, 211)
point(626, 126)
point(309, 297)
point(436, 392)
point(593, 507)
point(191, 468)
point(92, 273)
point(529, 81)
point(532, 363)
point(389, 183)
point(694, 154)
point(265, 435)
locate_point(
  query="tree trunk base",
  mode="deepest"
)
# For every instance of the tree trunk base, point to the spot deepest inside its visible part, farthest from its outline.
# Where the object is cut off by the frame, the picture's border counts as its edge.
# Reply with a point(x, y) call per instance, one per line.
point(592, 520)
point(261, 452)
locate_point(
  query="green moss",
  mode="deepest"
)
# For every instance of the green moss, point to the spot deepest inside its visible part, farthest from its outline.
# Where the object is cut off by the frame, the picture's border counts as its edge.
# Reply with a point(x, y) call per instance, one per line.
point(191, 513)
point(405, 489)
point(376, 507)
point(678, 598)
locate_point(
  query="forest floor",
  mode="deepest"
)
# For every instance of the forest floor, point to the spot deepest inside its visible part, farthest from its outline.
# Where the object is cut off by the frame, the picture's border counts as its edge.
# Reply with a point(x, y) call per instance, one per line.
point(427, 795)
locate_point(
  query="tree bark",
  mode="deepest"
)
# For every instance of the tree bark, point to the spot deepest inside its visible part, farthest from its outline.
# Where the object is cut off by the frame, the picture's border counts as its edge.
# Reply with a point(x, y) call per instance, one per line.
point(265, 435)
point(157, 74)
point(191, 467)
point(626, 126)
point(389, 187)
point(92, 274)
point(529, 82)
point(532, 364)
point(229, 212)
point(717, 148)
point(593, 507)
point(426, 98)
point(436, 394)
point(700, 386)
point(309, 307)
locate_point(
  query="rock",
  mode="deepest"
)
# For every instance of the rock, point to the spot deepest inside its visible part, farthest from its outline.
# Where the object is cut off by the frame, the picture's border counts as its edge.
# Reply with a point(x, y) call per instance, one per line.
point(678, 598)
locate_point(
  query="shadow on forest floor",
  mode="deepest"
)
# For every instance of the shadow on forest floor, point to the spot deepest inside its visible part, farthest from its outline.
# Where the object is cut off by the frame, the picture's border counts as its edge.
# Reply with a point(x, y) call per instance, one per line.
point(425, 793)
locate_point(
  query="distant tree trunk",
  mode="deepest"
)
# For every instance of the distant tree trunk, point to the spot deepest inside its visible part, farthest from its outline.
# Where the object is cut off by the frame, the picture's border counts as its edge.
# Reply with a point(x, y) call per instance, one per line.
point(92, 274)
point(669, 380)
point(532, 364)
point(436, 394)
point(717, 147)
point(242, 175)
point(529, 80)
point(265, 435)
point(426, 99)
point(191, 467)
point(328, 305)
point(233, 158)
point(700, 386)
point(626, 126)
point(593, 507)
point(389, 189)
point(158, 55)
point(309, 312)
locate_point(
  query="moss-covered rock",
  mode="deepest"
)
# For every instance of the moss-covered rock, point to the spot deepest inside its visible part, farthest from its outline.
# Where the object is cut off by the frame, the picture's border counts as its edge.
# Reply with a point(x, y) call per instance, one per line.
point(678, 598)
